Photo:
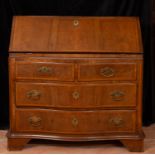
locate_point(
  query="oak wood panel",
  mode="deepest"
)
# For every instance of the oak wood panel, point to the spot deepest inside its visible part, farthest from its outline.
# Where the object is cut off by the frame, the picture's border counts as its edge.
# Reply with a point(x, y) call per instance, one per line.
point(107, 71)
point(44, 70)
point(76, 95)
point(77, 122)
point(91, 34)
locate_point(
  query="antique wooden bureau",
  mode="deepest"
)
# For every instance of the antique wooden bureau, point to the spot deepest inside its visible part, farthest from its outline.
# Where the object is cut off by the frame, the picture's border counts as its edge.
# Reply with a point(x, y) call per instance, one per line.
point(76, 79)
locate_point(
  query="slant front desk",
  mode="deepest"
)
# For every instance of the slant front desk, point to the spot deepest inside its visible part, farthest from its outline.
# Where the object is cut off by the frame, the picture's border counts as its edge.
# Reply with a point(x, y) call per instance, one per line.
point(76, 79)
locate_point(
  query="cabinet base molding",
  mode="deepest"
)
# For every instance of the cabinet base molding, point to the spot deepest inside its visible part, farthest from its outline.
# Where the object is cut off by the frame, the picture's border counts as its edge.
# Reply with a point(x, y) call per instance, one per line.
point(133, 142)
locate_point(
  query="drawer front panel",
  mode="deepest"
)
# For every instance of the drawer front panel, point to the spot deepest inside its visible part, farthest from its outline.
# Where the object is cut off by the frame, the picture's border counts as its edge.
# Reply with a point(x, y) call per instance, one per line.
point(75, 122)
point(76, 96)
point(45, 71)
point(111, 71)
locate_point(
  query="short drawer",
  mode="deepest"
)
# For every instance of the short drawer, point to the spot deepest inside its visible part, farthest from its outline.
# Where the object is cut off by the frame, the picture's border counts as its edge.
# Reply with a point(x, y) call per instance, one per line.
point(45, 71)
point(76, 95)
point(75, 122)
point(107, 71)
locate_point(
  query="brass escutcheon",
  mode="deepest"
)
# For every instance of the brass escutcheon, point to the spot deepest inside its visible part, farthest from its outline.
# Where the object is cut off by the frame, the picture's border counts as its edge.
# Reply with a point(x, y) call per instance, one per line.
point(33, 95)
point(76, 22)
point(44, 69)
point(35, 121)
point(76, 95)
point(117, 95)
point(75, 122)
point(107, 72)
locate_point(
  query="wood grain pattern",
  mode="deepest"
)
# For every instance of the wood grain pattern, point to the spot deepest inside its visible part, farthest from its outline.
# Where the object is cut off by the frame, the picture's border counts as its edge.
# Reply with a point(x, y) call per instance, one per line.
point(44, 71)
point(88, 95)
point(76, 79)
point(107, 71)
point(58, 34)
point(75, 122)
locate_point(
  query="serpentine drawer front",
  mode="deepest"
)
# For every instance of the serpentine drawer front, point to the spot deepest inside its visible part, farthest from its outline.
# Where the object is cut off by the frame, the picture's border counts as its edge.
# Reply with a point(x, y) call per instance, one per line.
point(76, 79)
point(76, 96)
point(47, 121)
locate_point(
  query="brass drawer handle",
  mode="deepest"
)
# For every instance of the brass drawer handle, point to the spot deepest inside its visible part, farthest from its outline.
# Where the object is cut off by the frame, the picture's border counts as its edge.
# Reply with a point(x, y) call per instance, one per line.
point(33, 95)
point(107, 72)
point(117, 121)
point(117, 95)
point(35, 121)
point(76, 23)
point(76, 95)
point(75, 122)
point(45, 69)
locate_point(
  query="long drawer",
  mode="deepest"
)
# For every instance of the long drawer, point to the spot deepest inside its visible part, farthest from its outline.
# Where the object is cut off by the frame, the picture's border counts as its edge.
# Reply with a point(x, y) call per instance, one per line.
point(75, 122)
point(76, 95)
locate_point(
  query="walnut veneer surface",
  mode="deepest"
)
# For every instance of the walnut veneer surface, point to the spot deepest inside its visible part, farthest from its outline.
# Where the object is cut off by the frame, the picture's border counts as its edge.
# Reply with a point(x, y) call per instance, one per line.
point(76, 79)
